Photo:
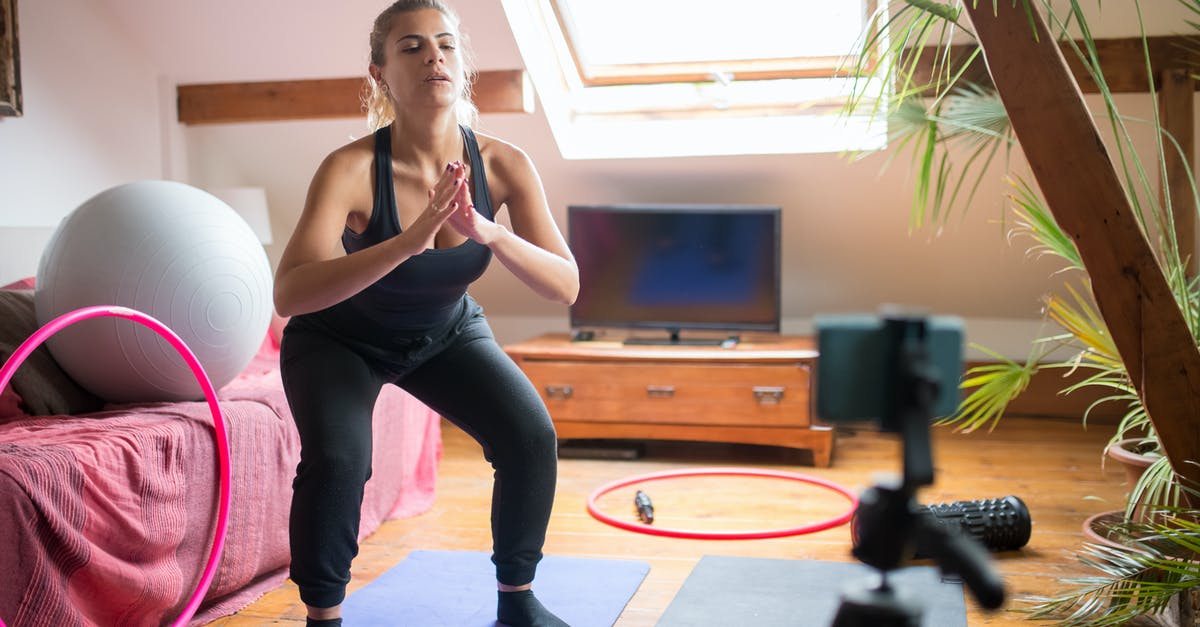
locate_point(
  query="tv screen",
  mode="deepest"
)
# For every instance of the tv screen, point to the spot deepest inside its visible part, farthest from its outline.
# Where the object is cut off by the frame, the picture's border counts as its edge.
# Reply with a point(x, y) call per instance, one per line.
point(676, 267)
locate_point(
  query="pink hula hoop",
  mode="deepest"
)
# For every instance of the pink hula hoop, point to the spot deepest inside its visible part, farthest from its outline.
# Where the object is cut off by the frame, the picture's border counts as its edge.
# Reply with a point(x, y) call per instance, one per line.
point(840, 519)
point(67, 319)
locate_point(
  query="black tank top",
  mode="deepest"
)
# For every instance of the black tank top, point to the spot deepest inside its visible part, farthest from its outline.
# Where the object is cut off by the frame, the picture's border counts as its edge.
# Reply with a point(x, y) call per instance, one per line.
point(427, 289)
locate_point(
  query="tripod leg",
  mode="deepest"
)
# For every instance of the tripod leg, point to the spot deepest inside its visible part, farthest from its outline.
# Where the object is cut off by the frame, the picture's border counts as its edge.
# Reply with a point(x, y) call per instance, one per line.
point(867, 605)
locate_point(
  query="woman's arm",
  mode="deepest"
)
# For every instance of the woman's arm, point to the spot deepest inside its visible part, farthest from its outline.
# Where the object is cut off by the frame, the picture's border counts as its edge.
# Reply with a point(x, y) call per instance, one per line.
point(312, 273)
point(535, 252)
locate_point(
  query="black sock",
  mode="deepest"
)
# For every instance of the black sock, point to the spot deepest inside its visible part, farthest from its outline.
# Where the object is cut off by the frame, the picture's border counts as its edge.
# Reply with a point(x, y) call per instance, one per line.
point(328, 622)
point(522, 609)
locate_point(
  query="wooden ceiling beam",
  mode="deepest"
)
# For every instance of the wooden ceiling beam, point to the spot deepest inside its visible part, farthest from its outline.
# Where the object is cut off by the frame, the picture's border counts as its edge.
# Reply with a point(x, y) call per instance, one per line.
point(510, 91)
point(1176, 113)
point(1122, 59)
point(495, 91)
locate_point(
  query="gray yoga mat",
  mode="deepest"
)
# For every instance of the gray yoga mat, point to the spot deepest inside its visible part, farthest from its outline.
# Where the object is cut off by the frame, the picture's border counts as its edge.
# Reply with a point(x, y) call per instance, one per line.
point(723, 591)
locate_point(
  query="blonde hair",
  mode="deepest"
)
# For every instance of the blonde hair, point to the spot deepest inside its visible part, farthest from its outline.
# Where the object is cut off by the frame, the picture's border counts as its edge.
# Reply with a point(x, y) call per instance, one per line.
point(378, 105)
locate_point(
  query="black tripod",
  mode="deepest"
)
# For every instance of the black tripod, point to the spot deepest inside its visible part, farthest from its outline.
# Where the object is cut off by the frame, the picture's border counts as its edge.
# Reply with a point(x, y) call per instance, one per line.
point(890, 523)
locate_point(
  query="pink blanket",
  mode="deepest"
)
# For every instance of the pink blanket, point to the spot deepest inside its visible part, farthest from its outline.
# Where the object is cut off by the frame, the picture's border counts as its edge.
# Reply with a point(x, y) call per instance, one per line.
point(106, 519)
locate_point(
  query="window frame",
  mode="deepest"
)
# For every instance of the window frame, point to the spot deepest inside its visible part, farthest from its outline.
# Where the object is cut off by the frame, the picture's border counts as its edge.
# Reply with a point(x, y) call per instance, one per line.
point(700, 72)
point(588, 121)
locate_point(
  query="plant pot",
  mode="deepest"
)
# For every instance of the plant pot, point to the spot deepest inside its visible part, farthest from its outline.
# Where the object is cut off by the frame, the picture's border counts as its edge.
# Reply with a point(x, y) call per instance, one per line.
point(1099, 529)
point(1102, 529)
point(1134, 463)
point(1182, 609)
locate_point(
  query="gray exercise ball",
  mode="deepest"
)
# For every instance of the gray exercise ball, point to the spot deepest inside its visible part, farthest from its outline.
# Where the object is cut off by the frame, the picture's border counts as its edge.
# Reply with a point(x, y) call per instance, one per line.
point(168, 250)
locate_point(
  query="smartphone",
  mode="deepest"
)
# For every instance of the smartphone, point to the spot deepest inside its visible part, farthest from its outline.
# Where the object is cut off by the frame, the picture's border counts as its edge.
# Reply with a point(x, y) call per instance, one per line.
point(857, 368)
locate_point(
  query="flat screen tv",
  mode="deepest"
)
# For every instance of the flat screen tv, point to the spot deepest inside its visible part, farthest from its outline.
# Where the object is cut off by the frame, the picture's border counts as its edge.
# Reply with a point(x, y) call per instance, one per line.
point(676, 268)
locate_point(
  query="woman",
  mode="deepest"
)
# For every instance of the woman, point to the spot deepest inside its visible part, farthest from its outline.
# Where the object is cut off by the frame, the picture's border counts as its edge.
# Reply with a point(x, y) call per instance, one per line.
point(413, 205)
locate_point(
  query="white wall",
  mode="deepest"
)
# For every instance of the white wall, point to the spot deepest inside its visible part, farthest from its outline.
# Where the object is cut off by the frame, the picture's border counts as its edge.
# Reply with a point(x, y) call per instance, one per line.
point(100, 76)
point(847, 244)
point(91, 121)
point(20, 249)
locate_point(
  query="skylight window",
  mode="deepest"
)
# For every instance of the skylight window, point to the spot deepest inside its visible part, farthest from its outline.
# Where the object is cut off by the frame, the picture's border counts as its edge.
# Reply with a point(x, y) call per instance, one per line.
point(621, 37)
point(631, 78)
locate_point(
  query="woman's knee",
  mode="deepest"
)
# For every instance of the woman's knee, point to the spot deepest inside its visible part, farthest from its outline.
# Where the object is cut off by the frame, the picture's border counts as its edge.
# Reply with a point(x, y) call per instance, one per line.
point(534, 438)
point(334, 465)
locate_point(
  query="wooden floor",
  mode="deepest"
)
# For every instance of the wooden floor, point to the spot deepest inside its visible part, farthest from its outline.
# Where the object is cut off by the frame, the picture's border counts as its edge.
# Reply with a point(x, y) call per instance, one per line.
point(1053, 465)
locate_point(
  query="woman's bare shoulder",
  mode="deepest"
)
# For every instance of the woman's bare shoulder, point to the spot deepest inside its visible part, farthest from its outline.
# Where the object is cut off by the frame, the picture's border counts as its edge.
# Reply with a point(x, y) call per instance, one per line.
point(512, 177)
point(342, 182)
point(503, 158)
point(351, 158)
point(492, 146)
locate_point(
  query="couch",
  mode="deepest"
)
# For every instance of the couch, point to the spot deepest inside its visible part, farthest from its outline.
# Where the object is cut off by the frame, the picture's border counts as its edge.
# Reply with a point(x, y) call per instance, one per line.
point(107, 511)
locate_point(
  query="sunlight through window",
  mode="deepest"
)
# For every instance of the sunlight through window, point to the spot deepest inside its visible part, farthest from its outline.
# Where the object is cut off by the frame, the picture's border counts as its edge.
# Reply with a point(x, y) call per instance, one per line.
point(629, 32)
point(641, 78)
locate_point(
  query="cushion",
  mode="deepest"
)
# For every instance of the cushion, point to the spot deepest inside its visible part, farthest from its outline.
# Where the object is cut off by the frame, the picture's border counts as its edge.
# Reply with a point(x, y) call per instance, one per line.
point(26, 283)
point(10, 401)
point(10, 404)
point(44, 388)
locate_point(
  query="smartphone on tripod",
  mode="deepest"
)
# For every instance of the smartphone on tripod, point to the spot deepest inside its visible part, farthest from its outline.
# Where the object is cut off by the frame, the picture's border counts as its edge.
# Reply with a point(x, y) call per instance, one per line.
point(899, 371)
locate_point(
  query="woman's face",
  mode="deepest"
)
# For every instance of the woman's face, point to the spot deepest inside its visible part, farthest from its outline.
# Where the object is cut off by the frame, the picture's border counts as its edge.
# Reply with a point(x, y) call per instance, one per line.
point(422, 65)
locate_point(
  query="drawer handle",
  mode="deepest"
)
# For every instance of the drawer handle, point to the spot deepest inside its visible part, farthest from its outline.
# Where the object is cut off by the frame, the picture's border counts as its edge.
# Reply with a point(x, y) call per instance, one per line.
point(562, 392)
point(660, 391)
point(768, 395)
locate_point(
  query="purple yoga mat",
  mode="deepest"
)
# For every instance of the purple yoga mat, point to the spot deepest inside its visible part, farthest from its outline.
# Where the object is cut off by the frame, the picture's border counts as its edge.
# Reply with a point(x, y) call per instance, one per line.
point(458, 589)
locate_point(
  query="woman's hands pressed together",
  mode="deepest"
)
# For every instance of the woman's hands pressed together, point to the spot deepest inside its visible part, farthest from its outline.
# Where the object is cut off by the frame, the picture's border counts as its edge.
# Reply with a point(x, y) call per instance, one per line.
point(444, 201)
point(465, 219)
point(450, 201)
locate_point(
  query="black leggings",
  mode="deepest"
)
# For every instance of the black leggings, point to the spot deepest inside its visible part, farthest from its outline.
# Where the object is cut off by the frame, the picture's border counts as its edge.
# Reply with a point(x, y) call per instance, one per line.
point(464, 376)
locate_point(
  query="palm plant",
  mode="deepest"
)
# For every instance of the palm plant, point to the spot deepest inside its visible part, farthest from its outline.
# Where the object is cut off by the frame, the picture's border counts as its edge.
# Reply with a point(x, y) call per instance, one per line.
point(1133, 581)
point(938, 118)
point(936, 112)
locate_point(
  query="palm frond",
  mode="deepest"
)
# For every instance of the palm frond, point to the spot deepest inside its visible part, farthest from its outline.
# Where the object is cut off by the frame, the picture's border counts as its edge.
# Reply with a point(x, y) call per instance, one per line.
point(1087, 413)
point(1128, 159)
point(1156, 490)
point(889, 53)
point(1035, 220)
point(995, 386)
point(1115, 381)
point(1135, 581)
point(1186, 290)
point(975, 118)
point(946, 12)
point(970, 117)
point(927, 110)
point(1194, 7)
point(1081, 320)
point(1135, 421)
point(1191, 304)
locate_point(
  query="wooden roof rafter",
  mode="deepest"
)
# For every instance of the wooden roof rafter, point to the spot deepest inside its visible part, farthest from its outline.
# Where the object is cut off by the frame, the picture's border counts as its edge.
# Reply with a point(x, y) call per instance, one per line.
point(1123, 61)
point(494, 91)
point(509, 91)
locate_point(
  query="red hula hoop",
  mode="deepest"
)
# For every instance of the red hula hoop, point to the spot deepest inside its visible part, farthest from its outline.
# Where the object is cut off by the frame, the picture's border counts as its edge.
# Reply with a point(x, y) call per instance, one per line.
point(840, 519)
point(210, 394)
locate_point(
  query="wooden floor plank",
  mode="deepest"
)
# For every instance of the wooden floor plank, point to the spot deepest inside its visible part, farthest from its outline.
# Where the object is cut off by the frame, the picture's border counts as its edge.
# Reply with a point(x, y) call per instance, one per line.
point(1053, 465)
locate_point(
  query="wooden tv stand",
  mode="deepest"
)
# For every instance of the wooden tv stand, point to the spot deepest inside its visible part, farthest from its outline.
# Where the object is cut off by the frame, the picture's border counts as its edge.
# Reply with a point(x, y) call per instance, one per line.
point(756, 392)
